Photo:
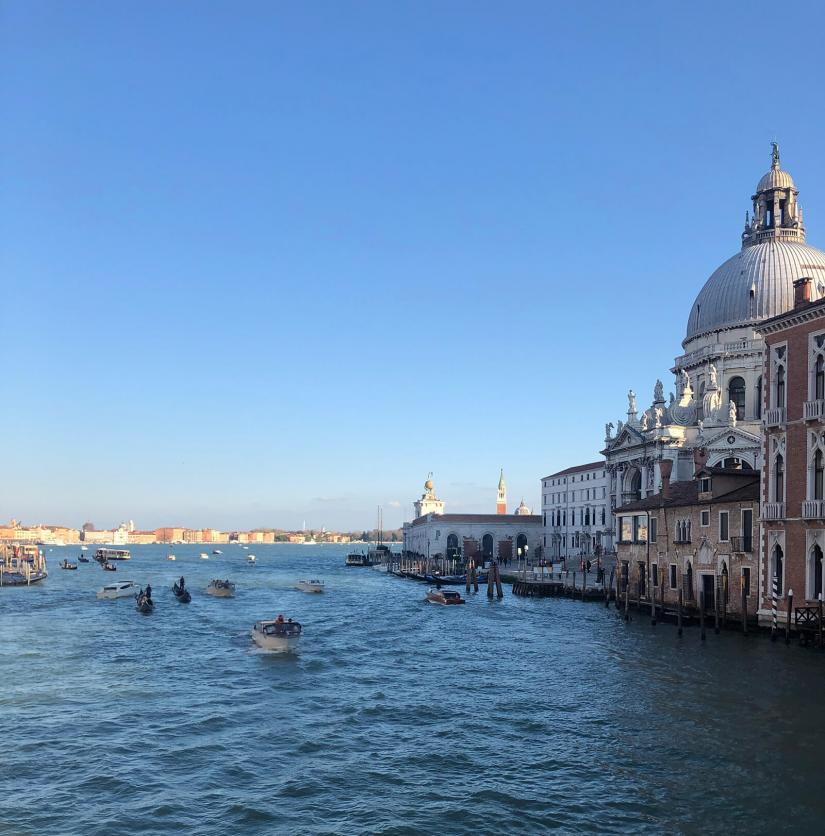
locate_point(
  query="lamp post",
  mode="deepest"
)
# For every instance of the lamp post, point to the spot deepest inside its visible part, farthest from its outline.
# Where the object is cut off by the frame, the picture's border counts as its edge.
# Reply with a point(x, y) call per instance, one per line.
point(526, 549)
point(518, 551)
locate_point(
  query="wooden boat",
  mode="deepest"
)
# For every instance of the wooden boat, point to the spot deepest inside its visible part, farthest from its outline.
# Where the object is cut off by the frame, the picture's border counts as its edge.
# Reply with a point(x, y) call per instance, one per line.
point(66, 565)
point(143, 603)
point(444, 596)
point(181, 593)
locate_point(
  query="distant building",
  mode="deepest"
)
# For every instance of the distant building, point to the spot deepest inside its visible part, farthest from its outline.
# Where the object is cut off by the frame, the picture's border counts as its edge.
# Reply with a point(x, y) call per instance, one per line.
point(498, 536)
point(576, 517)
point(429, 502)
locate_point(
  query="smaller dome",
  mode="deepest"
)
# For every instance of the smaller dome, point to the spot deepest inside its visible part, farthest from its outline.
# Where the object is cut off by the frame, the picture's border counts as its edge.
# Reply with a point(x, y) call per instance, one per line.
point(523, 510)
point(775, 179)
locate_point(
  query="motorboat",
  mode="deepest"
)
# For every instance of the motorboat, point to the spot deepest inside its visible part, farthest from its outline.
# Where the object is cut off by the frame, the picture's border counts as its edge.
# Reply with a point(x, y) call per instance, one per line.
point(171, 557)
point(66, 565)
point(110, 567)
point(181, 593)
point(357, 559)
point(251, 559)
point(83, 559)
point(216, 551)
point(221, 589)
point(310, 586)
point(121, 589)
point(143, 603)
point(204, 556)
point(444, 596)
point(278, 635)
point(246, 548)
point(105, 555)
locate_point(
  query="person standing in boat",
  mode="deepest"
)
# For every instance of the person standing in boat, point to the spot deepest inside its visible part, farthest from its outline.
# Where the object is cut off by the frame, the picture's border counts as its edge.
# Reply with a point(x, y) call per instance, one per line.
point(149, 591)
point(181, 583)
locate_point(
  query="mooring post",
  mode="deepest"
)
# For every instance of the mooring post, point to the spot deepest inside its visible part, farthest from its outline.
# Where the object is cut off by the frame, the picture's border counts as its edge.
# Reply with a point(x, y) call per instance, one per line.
point(584, 585)
point(724, 602)
point(490, 573)
point(652, 604)
point(788, 617)
point(573, 593)
point(773, 606)
point(820, 619)
point(679, 615)
point(627, 602)
point(744, 611)
point(467, 578)
point(702, 614)
point(716, 610)
point(499, 590)
point(607, 591)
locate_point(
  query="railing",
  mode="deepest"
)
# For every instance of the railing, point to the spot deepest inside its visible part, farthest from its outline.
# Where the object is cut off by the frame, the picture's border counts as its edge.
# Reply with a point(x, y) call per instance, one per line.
point(814, 410)
point(775, 417)
point(813, 509)
point(808, 617)
point(726, 348)
point(773, 510)
point(741, 544)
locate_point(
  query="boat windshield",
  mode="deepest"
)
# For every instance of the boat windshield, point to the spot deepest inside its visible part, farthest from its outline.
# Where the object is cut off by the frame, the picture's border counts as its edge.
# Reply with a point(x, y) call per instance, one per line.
point(285, 629)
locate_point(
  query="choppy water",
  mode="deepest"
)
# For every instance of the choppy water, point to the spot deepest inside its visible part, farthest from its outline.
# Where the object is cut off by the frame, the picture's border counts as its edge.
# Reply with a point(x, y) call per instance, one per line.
point(396, 717)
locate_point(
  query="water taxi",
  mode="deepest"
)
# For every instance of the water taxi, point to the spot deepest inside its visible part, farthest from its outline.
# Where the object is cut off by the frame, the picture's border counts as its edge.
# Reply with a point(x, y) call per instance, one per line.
point(310, 586)
point(278, 635)
point(171, 557)
point(444, 596)
point(251, 559)
point(204, 556)
point(21, 565)
point(105, 555)
point(221, 589)
point(121, 589)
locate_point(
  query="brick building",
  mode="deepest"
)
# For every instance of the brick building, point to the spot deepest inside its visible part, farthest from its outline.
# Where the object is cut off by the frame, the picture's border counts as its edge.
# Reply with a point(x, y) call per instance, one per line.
point(793, 481)
point(697, 536)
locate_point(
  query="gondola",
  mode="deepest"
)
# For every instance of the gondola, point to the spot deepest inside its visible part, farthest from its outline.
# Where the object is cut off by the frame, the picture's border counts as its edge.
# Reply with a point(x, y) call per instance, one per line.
point(182, 594)
point(66, 565)
point(143, 603)
point(110, 567)
point(83, 559)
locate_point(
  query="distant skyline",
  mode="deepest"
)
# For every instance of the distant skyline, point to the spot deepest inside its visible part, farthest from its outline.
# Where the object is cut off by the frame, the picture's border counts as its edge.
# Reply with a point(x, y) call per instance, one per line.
point(266, 263)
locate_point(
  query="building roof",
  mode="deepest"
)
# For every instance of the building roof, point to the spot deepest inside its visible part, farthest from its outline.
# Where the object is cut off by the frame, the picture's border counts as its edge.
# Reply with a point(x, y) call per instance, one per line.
point(687, 493)
point(579, 468)
point(455, 519)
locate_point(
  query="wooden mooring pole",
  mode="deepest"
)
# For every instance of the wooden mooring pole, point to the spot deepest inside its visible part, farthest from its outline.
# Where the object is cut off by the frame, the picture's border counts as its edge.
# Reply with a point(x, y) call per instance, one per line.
point(607, 590)
point(716, 611)
point(499, 590)
point(627, 602)
point(744, 611)
point(490, 574)
point(788, 617)
point(469, 573)
point(702, 615)
point(679, 615)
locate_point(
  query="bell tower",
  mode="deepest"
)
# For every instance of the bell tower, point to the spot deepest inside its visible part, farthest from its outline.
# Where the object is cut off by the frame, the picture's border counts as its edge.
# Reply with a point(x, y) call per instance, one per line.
point(429, 502)
point(501, 501)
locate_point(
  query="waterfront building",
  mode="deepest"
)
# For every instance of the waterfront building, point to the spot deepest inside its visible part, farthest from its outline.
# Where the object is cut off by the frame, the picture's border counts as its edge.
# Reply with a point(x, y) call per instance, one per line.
point(793, 481)
point(717, 406)
point(576, 514)
point(141, 537)
point(699, 536)
point(500, 536)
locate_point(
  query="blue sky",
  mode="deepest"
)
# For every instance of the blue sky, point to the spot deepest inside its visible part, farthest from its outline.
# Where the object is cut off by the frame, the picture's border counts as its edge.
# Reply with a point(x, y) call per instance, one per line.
point(272, 262)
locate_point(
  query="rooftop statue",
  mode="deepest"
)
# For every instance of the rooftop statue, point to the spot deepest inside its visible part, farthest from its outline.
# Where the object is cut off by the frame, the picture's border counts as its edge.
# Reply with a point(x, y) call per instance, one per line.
point(658, 392)
point(631, 401)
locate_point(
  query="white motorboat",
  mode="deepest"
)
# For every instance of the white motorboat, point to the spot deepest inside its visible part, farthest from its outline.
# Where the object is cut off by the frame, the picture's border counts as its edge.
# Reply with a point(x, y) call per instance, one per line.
point(246, 548)
point(251, 558)
point(221, 589)
point(204, 556)
point(216, 551)
point(310, 586)
point(279, 635)
point(121, 589)
point(170, 557)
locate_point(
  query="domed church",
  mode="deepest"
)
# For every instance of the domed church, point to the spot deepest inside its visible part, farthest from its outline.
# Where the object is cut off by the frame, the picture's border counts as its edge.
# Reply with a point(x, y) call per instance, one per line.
point(714, 417)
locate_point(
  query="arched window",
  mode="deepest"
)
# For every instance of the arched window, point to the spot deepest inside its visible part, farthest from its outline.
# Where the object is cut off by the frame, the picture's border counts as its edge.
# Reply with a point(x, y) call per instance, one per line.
point(815, 584)
point(452, 546)
point(759, 397)
point(778, 560)
point(819, 378)
point(818, 474)
point(487, 546)
point(780, 386)
point(779, 480)
point(636, 486)
point(736, 392)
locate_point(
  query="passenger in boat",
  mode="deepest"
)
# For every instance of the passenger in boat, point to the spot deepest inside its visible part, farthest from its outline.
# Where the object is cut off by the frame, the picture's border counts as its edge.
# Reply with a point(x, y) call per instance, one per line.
point(279, 619)
point(181, 583)
point(148, 591)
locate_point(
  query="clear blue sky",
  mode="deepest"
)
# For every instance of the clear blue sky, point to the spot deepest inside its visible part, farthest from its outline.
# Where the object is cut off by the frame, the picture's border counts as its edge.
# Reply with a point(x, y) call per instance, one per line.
point(272, 262)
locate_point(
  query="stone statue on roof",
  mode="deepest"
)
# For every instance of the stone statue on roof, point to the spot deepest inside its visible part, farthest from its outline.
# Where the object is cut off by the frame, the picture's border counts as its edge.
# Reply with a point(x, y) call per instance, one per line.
point(631, 401)
point(658, 392)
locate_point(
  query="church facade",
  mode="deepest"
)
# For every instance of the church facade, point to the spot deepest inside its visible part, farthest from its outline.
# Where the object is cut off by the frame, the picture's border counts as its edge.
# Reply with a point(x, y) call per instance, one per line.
point(496, 536)
point(714, 417)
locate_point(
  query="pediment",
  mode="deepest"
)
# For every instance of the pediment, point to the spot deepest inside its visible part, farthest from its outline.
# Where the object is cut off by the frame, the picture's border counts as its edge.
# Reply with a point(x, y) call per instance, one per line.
point(732, 437)
point(628, 437)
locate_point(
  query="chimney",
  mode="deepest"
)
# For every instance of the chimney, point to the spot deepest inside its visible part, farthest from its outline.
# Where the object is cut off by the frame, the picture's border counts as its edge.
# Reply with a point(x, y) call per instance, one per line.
point(801, 292)
point(665, 469)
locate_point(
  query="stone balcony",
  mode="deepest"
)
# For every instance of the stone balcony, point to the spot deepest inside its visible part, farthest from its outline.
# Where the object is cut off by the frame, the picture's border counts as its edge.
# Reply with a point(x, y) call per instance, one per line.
point(813, 509)
point(773, 510)
point(775, 417)
point(814, 410)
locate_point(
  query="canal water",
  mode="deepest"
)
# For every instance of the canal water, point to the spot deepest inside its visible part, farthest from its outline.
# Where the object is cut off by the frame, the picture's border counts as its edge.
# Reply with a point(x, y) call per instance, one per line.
point(396, 716)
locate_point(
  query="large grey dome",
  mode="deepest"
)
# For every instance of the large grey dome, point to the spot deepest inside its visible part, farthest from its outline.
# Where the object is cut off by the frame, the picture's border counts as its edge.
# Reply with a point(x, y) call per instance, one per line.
point(755, 284)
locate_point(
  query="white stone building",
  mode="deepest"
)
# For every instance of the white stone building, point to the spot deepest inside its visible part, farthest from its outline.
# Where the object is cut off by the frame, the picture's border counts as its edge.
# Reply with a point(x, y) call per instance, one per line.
point(576, 513)
point(714, 418)
point(434, 534)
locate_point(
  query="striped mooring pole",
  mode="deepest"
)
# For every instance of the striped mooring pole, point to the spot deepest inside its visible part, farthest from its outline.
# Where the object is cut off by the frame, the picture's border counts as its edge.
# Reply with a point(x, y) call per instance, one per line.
point(773, 606)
